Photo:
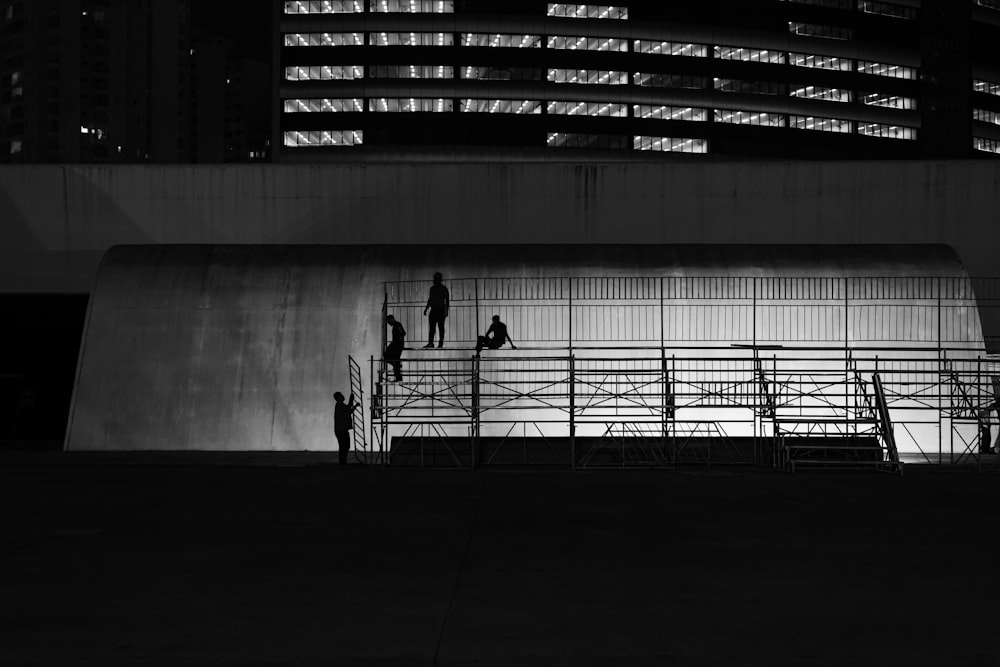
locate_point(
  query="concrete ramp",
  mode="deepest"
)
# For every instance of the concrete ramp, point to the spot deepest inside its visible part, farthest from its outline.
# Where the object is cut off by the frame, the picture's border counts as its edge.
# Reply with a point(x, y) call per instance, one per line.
point(242, 347)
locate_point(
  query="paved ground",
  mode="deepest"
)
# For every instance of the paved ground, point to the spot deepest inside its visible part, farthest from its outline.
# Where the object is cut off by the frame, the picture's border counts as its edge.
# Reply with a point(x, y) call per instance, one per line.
point(146, 559)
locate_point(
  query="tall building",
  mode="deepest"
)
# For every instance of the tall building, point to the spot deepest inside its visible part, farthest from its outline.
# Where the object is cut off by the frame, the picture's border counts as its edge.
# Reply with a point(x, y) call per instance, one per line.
point(95, 81)
point(730, 78)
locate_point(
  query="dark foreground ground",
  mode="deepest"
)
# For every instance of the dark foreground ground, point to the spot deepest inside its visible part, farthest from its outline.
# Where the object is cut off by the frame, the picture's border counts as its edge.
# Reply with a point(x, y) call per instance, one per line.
point(138, 559)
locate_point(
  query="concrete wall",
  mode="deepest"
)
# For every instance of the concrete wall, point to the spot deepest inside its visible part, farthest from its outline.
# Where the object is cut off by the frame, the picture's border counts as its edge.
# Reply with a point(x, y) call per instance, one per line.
point(57, 221)
point(242, 347)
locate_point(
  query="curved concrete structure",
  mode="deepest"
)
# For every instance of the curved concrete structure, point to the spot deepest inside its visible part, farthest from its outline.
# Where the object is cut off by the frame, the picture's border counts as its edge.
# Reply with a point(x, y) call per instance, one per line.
point(242, 347)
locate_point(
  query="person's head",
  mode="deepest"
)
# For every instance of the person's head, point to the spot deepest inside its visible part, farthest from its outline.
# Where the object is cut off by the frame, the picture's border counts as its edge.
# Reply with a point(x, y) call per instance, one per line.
point(390, 319)
point(496, 318)
point(337, 396)
point(438, 277)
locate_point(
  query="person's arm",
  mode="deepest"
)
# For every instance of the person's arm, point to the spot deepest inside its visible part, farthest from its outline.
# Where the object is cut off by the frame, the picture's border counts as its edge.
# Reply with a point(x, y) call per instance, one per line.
point(429, 297)
point(352, 405)
point(514, 347)
point(447, 301)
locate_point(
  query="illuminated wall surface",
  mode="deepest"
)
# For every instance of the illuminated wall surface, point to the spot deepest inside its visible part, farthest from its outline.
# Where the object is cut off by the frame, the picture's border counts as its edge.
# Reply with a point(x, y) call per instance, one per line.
point(242, 347)
point(802, 78)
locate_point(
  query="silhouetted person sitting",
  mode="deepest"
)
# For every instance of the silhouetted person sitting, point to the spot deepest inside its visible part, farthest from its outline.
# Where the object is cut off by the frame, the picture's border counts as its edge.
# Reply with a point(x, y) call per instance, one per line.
point(437, 302)
point(343, 422)
point(394, 350)
point(499, 337)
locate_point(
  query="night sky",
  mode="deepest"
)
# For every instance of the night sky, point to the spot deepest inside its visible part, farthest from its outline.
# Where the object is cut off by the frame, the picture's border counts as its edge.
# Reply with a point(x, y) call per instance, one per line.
point(246, 22)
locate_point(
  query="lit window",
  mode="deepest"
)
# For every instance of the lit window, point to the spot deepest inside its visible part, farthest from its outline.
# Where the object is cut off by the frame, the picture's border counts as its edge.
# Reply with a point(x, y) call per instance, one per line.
point(412, 71)
point(885, 69)
point(669, 144)
point(669, 80)
point(588, 76)
point(991, 4)
point(819, 62)
point(15, 146)
point(588, 43)
point(988, 87)
point(886, 131)
point(670, 48)
point(324, 39)
point(749, 118)
point(412, 6)
point(986, 116)
point(323, 105)
point(819, 124)
point(814, 30)
point(411, 38)
point(16, 78)
point(501, 73)
point(582, 140)
point(494, 40)
point(978, 143)
point(323, 72)
point(822, 93)
point(750, 87)
point(651, 111)
point(612, 109)
point(888, 101)
point(410, 104)
point(587, 11)
point(500, 106)
point(304, 138)
point(323, 7)
point(888, 9)
point(750, 55)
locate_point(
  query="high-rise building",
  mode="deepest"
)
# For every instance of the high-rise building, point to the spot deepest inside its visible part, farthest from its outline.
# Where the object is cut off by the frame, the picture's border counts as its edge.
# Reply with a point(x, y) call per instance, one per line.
point(730, 78)
point(95, 81)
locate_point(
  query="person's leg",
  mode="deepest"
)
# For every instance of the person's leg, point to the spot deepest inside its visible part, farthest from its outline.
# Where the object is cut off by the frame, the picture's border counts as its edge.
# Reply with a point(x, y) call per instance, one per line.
point(481, 342)
point(430, 329)
point(495, 343)
point(441, 319)
point(344, 445)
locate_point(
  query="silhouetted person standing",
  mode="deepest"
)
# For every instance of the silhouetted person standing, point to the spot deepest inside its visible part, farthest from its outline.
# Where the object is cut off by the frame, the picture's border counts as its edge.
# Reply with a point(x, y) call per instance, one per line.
point(394, 350)
point(499, 336)
point(437, 302)
point(343, 422)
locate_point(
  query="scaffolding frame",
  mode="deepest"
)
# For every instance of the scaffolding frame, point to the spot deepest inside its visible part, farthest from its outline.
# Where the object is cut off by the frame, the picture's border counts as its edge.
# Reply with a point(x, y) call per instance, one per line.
point(660, 372)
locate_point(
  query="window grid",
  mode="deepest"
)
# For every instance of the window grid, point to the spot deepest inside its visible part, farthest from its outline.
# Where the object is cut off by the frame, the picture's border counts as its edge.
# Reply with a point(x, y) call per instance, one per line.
point(411, 71)
point(500, 106)
point(323, 72)
point(986, 145)
point(887, 70)
point(651, 111)
point(495, 73)
point(323, 7)
point(888, 9)
point(412, 6)
point(836, 4)
point(986, 116)
point(822, 93)
point(323, 105)
point(580, 140)
point(669, 144)
point(820, 62)
point(886, 131)
point(988, 87)
point(749, 55)
point(410, 104)
point(587, 11)
point(411, 38)
point(670, 48)
point(669, 80)
point(815, 30)
point(750, 87)
point(324, 39)
point(739, 117)
point(588, 43)
point(503, 41)
point(820, 124)
point(562, 108)
point(588, 76)
point(306, 138)
point(888, 101)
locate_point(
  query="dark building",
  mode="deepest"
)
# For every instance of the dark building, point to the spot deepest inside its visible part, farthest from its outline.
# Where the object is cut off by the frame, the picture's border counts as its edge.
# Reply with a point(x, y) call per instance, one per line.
point(730, 78)
point(95, 81)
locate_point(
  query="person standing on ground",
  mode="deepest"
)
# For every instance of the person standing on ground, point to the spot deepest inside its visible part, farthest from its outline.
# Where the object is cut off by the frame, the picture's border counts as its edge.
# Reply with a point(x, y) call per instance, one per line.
point(343, 422)
point(394, 350)
point(437, 302)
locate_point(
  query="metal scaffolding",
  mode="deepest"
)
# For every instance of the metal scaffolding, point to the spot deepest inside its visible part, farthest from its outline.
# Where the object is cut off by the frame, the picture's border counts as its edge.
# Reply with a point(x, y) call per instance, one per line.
point(660, 372)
